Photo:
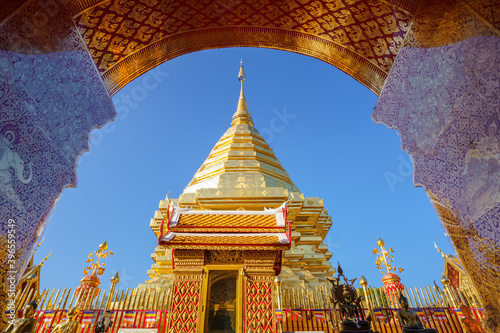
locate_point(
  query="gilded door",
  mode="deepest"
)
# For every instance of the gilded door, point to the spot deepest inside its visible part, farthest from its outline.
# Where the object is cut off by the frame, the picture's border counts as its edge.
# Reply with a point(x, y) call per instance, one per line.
point(222, 310)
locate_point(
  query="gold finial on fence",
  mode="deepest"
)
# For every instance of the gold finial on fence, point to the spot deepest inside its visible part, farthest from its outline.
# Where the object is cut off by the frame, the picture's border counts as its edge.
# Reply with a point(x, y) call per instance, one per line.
point(114, 280)
point(364, 283)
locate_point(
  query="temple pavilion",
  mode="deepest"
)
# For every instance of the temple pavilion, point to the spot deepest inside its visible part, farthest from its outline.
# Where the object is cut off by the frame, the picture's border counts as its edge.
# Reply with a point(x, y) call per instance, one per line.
point(239, 225)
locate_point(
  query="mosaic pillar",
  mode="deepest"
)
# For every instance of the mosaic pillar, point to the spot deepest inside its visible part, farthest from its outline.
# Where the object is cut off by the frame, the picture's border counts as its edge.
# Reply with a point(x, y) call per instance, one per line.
point(185, 313)
point(259, 315)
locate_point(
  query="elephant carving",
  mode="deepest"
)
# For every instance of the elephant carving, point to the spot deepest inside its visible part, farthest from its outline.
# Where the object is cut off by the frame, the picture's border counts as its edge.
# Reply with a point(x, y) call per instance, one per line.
point(10, 160)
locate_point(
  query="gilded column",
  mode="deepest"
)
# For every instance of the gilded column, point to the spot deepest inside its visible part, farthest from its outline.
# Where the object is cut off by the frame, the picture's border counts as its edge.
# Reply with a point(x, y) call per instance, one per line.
point(258, 290)
point(186, 305)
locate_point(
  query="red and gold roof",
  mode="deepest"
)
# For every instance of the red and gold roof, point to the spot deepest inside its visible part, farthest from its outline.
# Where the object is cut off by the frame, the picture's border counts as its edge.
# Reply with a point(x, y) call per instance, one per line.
point(184, 228)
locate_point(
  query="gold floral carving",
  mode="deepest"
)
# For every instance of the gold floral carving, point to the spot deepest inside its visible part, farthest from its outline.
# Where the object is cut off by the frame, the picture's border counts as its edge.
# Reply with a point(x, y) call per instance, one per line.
point(224, 257)
point(461, 19)
point(129, 38)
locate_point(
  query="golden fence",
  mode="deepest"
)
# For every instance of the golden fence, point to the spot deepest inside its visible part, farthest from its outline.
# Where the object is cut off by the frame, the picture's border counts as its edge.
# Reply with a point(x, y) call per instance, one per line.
point(296, 309)
point(134, 299)
point(418, 297)
point(438, 308)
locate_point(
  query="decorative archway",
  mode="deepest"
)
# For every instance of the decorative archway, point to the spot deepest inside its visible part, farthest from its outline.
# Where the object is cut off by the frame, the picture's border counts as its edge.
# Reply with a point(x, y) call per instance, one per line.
point(432, 63)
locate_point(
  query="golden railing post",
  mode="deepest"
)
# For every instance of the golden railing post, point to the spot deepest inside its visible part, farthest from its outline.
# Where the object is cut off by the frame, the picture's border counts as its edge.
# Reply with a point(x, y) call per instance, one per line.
point(44, 298)
point(54, 304)
point(119, 300)
point(405, 293)
point(49, 301)
point(62, 297)
point(137, 300)
point(153, 300)
point(66, 299)
point(95, 303)
point(372, 297)
point(277, 282)
point(125, 300)
point(363, 282)
point(114, 280)
point(145, 300)
point(40, 299)
point(446, 282)
point(24, 299)
point(102, 300)
point(29, 296)
point(428, 305)
point(429, 294)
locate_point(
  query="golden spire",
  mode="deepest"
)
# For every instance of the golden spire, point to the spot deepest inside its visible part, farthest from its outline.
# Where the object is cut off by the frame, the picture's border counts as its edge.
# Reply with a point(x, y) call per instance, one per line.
point(242, 116)
point(237, 161)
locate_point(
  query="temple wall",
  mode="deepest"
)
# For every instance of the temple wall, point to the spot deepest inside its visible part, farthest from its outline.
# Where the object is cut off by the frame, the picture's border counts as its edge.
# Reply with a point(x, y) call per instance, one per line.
point(442, 96)
point(51, 98)
point(444, 102)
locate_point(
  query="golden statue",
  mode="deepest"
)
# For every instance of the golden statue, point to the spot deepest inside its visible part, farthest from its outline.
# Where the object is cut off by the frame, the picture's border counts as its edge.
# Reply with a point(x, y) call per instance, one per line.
point(26, 324)
point(470, 324)
point(70, 325)
point(409, 320)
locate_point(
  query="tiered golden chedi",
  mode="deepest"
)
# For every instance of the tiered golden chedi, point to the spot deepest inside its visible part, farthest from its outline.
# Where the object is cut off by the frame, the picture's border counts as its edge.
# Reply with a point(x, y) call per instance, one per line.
point(242, 173)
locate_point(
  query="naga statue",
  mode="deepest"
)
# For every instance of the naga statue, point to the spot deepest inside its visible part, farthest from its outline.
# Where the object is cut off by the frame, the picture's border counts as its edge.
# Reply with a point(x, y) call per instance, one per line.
point(344, 294)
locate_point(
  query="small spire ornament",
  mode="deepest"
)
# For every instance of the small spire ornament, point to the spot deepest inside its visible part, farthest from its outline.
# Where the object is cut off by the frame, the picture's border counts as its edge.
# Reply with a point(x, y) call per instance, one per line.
point(89, 284)
point(242, 115)
point(97, 267)
point(384, 258)
point(241, 75)
point(392, 285)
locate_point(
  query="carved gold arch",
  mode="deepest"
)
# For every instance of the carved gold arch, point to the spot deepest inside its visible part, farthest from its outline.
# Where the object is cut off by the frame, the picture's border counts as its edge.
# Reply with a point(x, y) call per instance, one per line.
point(128, 38)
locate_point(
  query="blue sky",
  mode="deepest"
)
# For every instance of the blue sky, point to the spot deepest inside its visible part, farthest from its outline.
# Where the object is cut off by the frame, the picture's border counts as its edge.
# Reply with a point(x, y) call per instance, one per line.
point(171, 117)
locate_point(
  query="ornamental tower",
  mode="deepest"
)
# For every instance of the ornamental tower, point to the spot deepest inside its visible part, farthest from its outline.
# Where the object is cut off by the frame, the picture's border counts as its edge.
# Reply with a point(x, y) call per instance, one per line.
point(242, 173)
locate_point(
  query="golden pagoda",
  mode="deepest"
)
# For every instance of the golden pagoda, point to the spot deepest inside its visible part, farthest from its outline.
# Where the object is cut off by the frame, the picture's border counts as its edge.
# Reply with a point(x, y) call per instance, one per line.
point(240, 204)
point(243, 173)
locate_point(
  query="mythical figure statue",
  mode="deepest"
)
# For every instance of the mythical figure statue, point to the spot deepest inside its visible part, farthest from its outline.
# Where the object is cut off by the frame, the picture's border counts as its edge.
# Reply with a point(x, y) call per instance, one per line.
point(471, 325)
point(345, 295)
point(70, 325)
point(409, 320)
point(26, 324)
point(104, 323)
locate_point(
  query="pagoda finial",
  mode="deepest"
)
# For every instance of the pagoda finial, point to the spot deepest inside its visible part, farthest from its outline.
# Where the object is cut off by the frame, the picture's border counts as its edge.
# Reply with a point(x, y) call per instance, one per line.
point(242, 116)
point(241, 75)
